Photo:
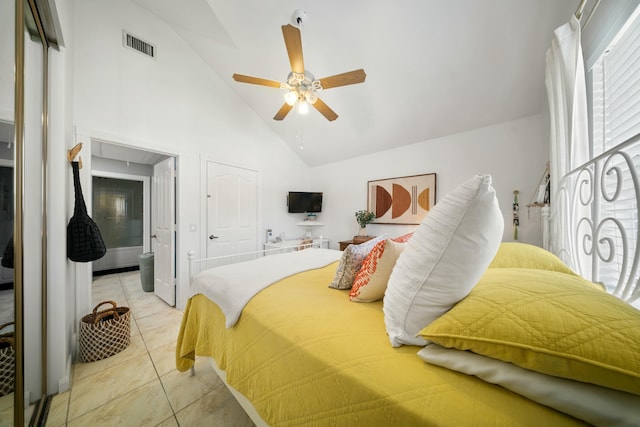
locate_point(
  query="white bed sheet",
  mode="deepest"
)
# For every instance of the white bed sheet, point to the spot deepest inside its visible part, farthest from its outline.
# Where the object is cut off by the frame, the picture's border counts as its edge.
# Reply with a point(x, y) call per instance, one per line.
point(232, 286)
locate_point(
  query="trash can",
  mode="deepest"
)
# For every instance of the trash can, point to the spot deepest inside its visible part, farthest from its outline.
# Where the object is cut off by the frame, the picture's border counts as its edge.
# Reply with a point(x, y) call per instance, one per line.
point(146, 271)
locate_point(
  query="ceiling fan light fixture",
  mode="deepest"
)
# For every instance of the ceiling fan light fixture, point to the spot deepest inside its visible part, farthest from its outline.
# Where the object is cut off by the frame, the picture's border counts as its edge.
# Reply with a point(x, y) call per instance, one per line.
point(301, 87)
point(291, 97)
point(303, 107)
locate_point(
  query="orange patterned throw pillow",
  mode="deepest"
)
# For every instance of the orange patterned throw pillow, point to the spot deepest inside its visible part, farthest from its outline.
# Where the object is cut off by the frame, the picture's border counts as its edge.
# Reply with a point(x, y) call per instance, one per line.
point(371, 280)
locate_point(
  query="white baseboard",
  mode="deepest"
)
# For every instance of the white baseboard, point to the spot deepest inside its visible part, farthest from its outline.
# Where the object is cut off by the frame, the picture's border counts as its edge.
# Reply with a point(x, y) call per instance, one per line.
point(64, 383)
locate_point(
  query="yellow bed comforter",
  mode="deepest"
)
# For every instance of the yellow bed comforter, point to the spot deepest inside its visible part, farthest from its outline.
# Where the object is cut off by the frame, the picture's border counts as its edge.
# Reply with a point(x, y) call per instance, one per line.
point(303, 354)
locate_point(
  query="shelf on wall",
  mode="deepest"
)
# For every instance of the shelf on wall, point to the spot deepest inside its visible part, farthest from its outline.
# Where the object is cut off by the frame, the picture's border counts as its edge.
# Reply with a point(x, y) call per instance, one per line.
point(310, 224)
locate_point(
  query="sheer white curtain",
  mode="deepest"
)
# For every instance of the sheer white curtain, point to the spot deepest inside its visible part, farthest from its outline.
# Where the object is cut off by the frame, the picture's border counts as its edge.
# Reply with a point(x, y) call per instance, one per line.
point(569, 139)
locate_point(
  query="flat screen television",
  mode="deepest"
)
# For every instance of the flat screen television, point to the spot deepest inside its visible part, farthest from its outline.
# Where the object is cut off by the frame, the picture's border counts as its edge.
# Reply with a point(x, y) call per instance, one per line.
point(304, 202)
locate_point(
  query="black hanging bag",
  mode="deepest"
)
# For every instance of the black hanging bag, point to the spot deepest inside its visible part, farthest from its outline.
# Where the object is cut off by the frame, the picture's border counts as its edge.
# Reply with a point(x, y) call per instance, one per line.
point(84, 241)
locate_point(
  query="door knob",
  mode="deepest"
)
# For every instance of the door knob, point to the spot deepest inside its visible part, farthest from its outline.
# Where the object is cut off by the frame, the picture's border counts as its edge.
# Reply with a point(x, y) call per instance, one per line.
point(213, 237)
point(154, 236)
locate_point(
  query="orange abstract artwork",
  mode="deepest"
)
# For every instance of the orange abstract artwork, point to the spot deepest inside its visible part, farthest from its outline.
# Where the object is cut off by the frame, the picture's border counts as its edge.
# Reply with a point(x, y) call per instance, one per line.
point(404, 200)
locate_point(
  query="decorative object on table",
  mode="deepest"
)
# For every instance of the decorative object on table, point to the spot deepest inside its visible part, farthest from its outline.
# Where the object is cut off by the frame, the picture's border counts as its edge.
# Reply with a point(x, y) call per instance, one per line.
point(541, 199)
point(403, 200)
point(104, 333)
point(516, 214)
point(84, 241)
point(364, 217)
point(540, 196)
point(7, 360)
point(305, 243)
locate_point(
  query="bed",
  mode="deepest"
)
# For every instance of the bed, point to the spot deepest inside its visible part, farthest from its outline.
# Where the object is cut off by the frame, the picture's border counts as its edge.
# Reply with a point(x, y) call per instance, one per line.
point(305, 352)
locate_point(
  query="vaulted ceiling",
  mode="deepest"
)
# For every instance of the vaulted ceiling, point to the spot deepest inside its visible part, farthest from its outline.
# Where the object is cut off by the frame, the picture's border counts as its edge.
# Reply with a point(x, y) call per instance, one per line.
point(434, 67)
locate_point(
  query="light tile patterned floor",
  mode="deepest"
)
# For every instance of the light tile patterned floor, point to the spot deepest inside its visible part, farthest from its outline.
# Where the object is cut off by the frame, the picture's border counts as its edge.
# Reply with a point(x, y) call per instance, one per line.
point(140, 386)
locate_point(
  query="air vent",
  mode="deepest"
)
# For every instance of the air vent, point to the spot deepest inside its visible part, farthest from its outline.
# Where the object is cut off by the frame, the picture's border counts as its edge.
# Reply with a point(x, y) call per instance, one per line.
point(137, 44)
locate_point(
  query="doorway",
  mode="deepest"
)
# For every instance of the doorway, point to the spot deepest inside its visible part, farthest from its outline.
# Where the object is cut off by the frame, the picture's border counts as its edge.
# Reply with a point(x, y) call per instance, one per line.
point(115, 160)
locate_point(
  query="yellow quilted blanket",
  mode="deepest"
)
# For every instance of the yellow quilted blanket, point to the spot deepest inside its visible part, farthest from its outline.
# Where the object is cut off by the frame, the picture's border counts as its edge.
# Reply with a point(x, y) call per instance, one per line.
point(305, 355)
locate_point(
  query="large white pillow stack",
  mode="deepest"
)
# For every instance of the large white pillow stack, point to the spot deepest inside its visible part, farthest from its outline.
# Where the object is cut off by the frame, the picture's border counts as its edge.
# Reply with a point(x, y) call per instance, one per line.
point(444, 259)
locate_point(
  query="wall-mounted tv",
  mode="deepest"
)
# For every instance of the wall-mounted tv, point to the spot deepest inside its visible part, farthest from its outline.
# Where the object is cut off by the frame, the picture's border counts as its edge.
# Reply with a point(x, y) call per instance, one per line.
point(304, 202)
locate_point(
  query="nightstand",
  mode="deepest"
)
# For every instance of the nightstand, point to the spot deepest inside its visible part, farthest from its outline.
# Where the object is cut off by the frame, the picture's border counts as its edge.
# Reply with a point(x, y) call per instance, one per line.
point(355, 241)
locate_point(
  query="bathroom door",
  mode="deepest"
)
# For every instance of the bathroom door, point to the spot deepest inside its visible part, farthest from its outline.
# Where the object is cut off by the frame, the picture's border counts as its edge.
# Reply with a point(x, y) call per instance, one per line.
point(163, 235)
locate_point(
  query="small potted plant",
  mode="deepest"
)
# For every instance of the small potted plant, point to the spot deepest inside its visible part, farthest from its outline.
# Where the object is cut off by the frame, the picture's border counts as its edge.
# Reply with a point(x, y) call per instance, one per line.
point(364, 217)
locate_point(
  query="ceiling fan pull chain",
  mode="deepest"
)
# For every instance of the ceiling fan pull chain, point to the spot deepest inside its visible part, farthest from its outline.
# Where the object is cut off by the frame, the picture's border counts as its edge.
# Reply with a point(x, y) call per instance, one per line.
point(300, 124)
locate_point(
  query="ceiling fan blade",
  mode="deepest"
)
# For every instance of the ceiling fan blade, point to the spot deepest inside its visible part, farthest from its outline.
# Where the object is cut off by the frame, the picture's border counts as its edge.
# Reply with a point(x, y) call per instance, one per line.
point(325, 110)
point(282, 112)
point(352, 77)
point(255, 80)
point(293, 41)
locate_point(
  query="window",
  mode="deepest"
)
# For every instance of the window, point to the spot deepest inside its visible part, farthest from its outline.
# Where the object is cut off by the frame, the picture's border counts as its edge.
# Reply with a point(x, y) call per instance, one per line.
point(615, 164)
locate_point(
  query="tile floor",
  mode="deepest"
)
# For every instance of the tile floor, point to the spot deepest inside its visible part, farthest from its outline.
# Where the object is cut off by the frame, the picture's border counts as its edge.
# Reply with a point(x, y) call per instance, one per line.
point(140, 386)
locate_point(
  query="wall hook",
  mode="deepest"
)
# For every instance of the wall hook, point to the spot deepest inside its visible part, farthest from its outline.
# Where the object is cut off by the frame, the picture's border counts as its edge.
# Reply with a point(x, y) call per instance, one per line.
point(72, 153)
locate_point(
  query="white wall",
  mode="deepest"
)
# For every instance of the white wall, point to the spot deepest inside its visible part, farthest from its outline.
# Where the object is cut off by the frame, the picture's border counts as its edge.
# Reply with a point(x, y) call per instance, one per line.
point(514, 153)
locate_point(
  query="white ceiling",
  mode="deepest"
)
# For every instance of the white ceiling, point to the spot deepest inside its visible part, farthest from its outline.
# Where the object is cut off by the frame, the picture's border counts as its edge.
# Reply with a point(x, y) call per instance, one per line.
point(434, 67)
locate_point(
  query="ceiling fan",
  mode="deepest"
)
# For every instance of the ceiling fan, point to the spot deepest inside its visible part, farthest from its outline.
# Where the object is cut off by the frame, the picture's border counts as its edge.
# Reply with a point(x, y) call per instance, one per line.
point(301, 86)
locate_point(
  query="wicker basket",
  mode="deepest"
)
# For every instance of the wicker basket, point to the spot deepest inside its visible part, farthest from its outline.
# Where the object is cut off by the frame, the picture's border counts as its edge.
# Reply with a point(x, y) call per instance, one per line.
point(7, 360)
point(104, 333)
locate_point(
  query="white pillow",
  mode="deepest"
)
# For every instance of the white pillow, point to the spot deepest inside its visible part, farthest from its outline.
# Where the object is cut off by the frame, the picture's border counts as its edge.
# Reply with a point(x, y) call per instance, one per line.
point(444, 259)
point(592, 403)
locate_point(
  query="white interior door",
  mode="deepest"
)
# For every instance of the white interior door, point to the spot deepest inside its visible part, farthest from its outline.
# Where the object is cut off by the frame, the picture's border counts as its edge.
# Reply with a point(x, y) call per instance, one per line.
point(231, 210)
point(163, 224)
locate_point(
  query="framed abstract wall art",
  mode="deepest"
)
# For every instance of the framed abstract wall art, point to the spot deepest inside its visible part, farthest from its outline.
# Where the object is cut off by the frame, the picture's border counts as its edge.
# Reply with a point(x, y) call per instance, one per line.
point(403, 200)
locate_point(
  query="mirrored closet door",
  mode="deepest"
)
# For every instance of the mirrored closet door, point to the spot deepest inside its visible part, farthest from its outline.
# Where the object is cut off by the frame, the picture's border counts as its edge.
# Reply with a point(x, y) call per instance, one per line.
point(24, 44)
point(7, 209)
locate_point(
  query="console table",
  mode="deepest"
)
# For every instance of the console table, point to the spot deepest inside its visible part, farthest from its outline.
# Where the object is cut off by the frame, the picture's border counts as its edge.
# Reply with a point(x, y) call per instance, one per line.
point(355, 241)
point(290, 245)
